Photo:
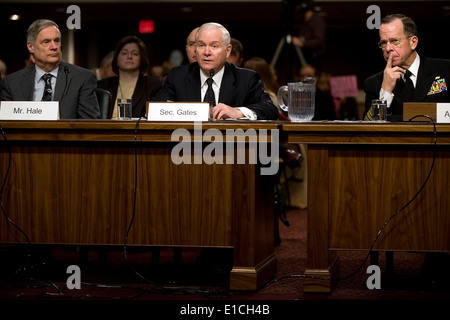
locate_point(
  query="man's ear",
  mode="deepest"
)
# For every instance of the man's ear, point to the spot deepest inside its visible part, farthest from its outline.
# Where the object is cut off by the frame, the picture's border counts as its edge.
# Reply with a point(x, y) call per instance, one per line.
point(228, 50)
point(30, 47)
point(414, 42)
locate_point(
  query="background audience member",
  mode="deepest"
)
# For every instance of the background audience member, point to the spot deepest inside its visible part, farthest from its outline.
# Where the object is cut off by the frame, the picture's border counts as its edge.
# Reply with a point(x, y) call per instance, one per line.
point(267, 77)
point(190, 46)
point(345, 108)
point(324, 104)
point(237, 52)
point(161, 71)
point(130, 63)
point(3, 69)
point(311, 37)
point(73, 86)
point(105, 69)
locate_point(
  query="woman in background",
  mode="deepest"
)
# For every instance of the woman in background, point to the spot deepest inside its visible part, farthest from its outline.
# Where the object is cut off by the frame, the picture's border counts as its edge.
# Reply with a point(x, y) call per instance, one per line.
point(267, 74)
point(130, 63)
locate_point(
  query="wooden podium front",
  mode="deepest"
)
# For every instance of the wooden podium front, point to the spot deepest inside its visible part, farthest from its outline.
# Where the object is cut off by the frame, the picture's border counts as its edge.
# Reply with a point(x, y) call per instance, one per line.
point(75, 182)
point(359, 175)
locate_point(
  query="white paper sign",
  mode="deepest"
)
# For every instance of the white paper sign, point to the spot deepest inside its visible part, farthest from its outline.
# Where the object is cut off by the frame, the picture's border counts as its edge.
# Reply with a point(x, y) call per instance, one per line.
point(29, 110)
point(177, 111)
point(442, 112)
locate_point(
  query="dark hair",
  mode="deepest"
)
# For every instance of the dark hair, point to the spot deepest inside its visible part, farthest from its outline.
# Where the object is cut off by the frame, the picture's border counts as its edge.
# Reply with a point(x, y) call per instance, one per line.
point(142, 51)
point(409, 26)
point(237, 48)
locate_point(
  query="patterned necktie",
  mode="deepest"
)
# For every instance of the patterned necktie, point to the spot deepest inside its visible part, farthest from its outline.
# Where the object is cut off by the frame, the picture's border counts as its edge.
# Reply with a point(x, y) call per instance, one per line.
point(47, 96)
point(209, 96)
point(409, 87)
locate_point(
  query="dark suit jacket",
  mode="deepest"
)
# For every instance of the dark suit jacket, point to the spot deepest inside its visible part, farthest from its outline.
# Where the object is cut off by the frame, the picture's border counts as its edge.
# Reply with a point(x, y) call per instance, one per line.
point(146, 88)
point(75, 90)
point(324, 106)
point(429, 70)
point(240, 88)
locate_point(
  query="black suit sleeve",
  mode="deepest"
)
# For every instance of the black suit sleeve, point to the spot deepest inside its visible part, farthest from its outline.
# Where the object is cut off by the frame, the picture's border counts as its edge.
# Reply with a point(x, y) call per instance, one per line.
point(1, 88)
point(167, 92)
point(256, 99)
point(5, 94)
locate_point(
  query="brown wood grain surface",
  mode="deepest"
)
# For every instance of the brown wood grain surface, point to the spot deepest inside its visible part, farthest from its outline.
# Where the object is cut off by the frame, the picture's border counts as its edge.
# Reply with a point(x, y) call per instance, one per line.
point(75, 183)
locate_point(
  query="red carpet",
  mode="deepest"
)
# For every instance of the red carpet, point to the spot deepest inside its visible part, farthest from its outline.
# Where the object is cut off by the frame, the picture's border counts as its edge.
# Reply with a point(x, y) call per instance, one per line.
point(115, 280)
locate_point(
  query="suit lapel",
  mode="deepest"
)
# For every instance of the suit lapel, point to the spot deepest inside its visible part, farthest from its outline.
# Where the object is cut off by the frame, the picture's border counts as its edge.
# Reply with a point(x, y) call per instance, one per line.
point(227, 86)
point(139, 91)
point(425, 79)
point(193, 85)
point(61, 81)
point(28, 83)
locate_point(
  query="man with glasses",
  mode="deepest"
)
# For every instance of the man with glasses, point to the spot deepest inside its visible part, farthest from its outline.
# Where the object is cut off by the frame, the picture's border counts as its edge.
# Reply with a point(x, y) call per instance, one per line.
point(407, 77)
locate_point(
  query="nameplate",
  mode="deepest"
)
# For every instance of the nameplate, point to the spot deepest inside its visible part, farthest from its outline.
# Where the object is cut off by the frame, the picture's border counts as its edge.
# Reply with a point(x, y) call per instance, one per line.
point(29, 110)
point(443, 112)
point(177, 111)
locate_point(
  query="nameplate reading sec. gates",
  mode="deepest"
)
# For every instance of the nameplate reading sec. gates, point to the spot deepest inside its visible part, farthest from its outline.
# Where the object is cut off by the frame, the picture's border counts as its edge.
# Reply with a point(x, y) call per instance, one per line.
point(177, 111)
point(29, 110)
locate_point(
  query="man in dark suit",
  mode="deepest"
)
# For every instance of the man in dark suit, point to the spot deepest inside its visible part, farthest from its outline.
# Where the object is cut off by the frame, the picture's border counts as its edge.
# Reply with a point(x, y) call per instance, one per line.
point(73, 86)
point(429, 77)
point(238, 92)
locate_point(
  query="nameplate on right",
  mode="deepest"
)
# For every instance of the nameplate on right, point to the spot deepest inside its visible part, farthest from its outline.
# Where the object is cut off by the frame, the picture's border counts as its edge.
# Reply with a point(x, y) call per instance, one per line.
point(29, 110)
point(443, 112)
point(177, 111)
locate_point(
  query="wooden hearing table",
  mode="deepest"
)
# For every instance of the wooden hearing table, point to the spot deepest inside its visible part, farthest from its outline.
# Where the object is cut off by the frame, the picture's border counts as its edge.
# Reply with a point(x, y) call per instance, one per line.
point(73, 182)
point(359, 175)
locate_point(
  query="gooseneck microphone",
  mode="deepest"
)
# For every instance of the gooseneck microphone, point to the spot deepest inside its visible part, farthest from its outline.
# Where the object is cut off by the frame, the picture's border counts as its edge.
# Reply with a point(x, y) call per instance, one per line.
point(66, 72)
point(211, 73)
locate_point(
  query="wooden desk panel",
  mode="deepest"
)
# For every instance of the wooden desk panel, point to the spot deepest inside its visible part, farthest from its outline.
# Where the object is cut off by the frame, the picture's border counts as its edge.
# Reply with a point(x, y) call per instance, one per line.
point(359, 175)
point(74, 183)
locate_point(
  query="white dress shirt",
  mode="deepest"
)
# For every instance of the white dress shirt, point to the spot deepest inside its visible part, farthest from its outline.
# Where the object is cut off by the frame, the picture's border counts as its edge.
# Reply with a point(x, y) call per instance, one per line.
point(217, 81)
point(39, 83)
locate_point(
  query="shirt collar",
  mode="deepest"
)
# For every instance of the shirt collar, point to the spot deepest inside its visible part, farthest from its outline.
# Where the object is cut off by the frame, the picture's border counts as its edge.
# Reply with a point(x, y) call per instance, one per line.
point(217, 78)
point(40, 72)
point(414, 68)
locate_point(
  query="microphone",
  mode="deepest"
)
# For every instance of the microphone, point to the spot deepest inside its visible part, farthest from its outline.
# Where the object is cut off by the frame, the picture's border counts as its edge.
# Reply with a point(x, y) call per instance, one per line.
point(211, 73)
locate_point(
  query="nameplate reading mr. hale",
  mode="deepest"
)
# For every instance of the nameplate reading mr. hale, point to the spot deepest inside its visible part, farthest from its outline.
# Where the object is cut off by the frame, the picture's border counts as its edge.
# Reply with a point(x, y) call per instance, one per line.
point(177, 111)
point(29, 110)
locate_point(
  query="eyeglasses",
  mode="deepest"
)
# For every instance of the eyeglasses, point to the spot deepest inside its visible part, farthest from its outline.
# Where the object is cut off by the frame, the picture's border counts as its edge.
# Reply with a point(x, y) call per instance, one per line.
point(395, 42)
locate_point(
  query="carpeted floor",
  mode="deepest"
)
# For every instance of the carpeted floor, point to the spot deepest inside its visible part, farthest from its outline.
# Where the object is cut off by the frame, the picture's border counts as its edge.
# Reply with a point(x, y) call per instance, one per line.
point(108, 276)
